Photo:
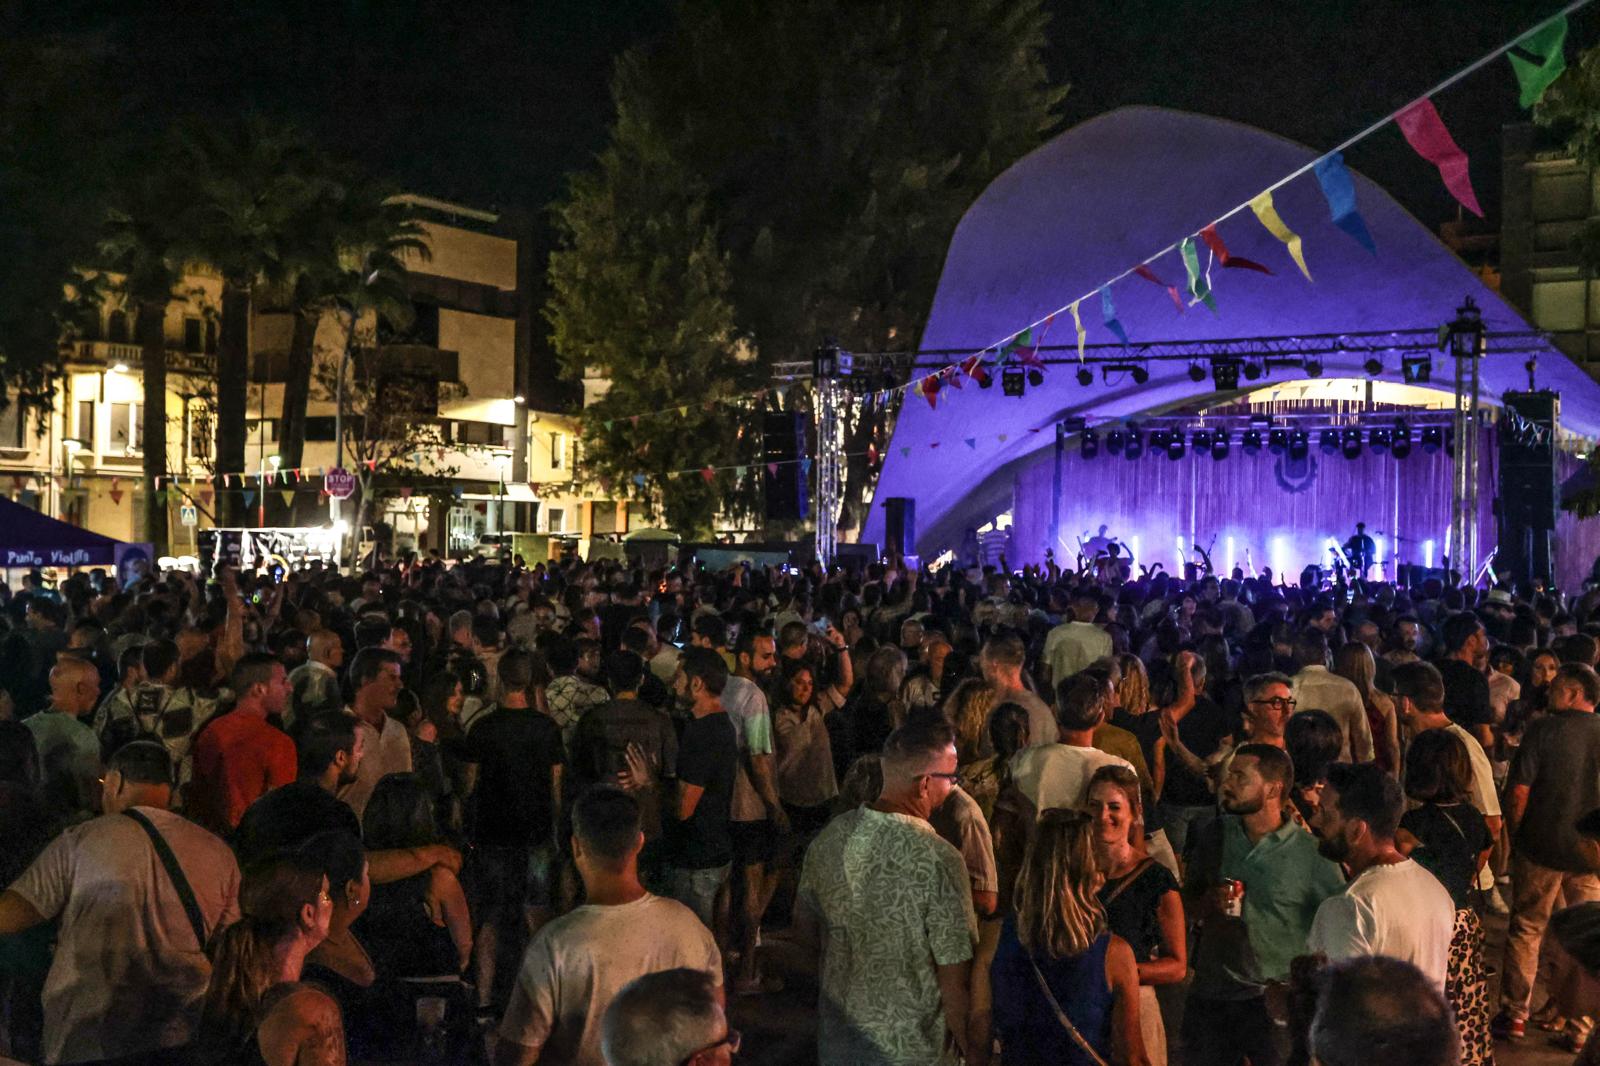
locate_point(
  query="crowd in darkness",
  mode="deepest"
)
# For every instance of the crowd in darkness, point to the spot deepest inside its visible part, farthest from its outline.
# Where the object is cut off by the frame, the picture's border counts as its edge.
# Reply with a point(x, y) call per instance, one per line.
point(483, 812)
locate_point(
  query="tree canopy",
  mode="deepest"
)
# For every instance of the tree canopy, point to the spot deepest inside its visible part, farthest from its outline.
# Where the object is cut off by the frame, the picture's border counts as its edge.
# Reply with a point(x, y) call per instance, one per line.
point(775, 175)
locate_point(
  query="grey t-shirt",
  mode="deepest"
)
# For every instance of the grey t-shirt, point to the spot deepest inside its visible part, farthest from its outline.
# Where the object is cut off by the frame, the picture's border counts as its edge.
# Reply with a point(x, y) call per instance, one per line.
point(1559, 761)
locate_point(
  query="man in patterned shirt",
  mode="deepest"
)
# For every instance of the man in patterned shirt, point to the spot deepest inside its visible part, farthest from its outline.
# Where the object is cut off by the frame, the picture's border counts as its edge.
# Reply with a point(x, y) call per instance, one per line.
point(574, 691)
point(889, 903)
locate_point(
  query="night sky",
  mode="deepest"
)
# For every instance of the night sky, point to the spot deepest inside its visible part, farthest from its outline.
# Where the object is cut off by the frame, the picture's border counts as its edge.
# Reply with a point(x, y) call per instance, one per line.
point(492, 102)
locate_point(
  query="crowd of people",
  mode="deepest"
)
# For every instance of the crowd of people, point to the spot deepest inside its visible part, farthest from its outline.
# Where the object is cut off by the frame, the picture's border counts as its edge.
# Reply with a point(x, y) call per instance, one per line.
point(569, 813)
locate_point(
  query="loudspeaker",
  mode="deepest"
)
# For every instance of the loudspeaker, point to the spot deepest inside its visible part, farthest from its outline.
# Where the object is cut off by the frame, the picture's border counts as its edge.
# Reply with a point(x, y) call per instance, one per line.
point(899, 526)
point(1528, 498)
point(783, 442)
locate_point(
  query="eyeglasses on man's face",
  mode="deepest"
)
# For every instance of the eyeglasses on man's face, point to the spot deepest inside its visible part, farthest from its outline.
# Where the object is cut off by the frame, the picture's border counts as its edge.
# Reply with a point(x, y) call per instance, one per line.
point(953, 778)
point(1277, 703)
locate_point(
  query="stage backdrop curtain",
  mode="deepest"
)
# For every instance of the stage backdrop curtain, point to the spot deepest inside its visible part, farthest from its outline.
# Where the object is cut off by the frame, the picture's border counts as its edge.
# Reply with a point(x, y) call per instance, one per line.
point(1261, 510)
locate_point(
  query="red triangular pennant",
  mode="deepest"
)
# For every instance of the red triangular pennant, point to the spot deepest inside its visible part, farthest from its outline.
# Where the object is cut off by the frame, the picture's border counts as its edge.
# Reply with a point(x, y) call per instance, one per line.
point(1213, 241)
point(1172, 290)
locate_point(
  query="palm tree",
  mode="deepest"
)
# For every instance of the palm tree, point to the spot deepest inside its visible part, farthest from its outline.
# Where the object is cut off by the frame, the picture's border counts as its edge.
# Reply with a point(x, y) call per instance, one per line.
point(143, 243)
point(356, 265)
point(258, 189)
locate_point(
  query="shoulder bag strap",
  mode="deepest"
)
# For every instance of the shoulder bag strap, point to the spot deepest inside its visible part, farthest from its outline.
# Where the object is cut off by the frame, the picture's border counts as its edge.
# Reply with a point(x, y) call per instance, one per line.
point(1061, 1016)
point(1124, 884)
point(191, 907)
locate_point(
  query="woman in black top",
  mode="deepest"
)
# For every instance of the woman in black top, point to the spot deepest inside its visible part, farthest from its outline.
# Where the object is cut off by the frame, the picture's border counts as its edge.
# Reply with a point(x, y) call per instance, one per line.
point(1140, 896)
point(1448, 836)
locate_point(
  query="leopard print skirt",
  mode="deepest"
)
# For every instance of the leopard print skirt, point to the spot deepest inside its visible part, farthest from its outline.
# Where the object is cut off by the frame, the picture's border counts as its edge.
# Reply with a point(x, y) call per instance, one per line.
point(1466, 989)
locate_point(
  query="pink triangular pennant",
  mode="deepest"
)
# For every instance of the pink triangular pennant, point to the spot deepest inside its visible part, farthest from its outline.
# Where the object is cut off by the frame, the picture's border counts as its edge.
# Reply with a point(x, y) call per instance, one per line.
point(1425, 131)
point(1172, 290)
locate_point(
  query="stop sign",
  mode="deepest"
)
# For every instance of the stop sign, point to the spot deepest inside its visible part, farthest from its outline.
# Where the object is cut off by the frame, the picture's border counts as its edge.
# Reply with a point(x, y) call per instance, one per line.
point(340, 483)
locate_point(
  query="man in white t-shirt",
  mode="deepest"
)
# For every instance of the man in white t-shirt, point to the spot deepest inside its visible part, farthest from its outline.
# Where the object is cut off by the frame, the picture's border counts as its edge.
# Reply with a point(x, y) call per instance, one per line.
point(129, 970)
point(1393, 906)
point(1419, 701)
point(1077, 641)
point(579, 962)
point(375, 677)
point(1057, 774)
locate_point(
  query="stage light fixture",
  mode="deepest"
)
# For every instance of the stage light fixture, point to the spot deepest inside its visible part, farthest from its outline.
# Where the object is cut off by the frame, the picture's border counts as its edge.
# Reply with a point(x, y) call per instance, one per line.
point(1299, 444)
point(1351, 441)
point(1400, 443)
point(1313, 366)
point(1329, 441)
point(1373, 366)
point(1141, 374)
point(1114, 442)
point(1085, 376)
point(1416, 369)
point(1158, 440)
point(1090, 446)
point(1225, 373)
point(1035, 377)
point(1197, 373)
point(1135, 445)
point(1201, 441)
point(1252, 441)
point(1175, 445)
point(1219, 445)
point(1013, 381)
point(1253, 369)
point(1378, 440)
point(1432, 439)
point(1277, 440)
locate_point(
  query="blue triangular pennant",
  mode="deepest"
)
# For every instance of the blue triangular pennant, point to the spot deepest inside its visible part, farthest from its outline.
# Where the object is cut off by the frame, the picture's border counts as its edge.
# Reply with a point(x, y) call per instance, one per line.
point(1339, 189)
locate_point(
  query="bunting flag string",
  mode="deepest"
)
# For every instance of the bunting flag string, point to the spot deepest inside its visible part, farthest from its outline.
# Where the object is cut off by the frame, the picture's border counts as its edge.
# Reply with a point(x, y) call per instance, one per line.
point(1267, 214)
point(1108, 312)
point(1539, 59)
point(1339, 189)
point(1199, 286)
point(1229, 261)
point(1425, 132)
point(1172, 290)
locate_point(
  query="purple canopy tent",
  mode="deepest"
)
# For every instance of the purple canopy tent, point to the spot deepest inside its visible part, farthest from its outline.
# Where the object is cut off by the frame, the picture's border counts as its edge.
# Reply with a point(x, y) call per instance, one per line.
point(1092, 203)
point(29, 539)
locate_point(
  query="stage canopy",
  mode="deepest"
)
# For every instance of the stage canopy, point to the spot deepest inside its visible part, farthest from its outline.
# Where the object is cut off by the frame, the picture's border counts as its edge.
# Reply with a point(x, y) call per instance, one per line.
point(1095, 201)
point(30, 539)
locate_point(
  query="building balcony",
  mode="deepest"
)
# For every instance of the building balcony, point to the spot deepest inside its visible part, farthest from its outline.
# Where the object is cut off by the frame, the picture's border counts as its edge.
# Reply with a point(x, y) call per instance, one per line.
point(111, 354)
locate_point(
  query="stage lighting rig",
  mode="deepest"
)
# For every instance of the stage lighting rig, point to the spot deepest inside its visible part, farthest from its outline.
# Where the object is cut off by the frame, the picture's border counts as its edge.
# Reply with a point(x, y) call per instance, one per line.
point(1299, 444)
point(1416, 369)
point(1225, 373)
point(1313, 366)
point(1253, 369)
point(1251, 441)
point(1219, 445)
point(1035, 376)
point(1400, 442)
point(1328, 441)
point(1090, 444)
point(1378, 440)
point(1197, 373)
point(1175, 445)
point(1085, 376)
point(1351, 442)
point(1013, 381)
point(1134, 448)
point(1277, 440)
point(1138, 371)
point(1114, 442)
point(1201, 441)
point(1373, 366)
point(1432, 439)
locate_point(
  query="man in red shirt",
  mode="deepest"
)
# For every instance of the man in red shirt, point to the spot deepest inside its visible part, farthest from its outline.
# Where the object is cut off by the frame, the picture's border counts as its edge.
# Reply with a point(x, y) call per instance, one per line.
point(238, 757)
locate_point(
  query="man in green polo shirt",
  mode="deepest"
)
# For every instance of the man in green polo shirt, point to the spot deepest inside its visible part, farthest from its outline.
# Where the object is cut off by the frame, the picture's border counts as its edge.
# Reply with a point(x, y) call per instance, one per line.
point(1246, 942)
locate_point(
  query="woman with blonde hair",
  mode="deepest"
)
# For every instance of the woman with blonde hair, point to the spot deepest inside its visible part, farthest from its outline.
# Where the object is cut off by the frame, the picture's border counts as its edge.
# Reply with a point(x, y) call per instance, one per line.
point(256, 1010)
point(1056, 985)
point(1140, 896)
point(968, 712)
point(1355, 664)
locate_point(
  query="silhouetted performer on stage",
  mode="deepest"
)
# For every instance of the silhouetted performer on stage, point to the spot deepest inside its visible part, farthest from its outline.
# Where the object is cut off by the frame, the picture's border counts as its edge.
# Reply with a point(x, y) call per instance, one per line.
point(1360, 550)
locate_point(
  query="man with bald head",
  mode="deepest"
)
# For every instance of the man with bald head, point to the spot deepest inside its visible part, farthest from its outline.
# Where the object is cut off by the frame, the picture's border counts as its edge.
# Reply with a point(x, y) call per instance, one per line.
point(314, 684)
point(69, 752)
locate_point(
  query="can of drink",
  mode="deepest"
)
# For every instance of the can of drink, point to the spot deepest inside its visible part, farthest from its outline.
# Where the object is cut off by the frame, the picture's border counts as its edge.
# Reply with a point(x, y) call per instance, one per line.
point(1234, 908)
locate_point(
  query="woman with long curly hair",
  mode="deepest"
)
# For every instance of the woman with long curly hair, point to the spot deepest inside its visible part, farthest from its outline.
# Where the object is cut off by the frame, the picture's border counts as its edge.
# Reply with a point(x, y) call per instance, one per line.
point(1056, 984)
point(257, 1012)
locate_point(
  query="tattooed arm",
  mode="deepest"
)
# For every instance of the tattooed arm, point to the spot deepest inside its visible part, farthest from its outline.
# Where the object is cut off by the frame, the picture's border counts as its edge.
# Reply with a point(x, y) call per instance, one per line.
point(303, 1029)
